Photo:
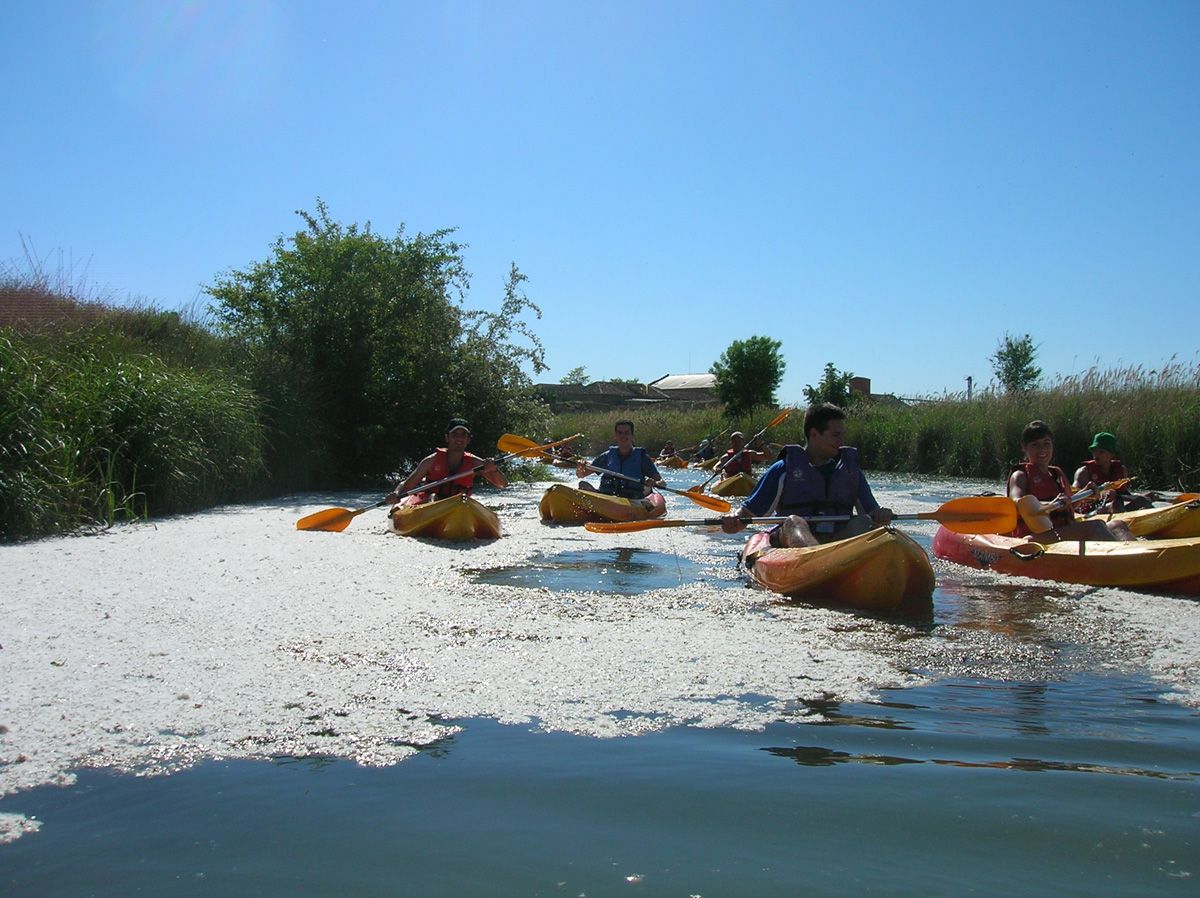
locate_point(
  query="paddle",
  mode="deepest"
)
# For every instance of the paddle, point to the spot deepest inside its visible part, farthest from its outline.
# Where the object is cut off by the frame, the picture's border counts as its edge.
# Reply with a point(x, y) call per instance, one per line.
point(972, 514)
point(778, 419)
point(335, 520)
point(509, 441)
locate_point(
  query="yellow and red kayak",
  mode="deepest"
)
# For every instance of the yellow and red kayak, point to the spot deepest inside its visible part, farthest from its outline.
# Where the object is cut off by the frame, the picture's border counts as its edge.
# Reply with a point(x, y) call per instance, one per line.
point(737, 485)
point(562, 504)
point(880, 570)
point(1169, 566)
point(1169, 522)
point(671, 461)
point(458, 517)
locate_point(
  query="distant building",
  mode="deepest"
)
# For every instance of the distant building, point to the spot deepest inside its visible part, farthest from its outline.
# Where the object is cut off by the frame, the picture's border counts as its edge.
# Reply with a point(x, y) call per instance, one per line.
point(599, 395)
point(693, 388)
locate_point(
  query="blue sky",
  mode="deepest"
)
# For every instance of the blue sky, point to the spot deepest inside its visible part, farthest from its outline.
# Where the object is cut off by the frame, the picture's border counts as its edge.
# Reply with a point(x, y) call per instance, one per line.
point(890, 187)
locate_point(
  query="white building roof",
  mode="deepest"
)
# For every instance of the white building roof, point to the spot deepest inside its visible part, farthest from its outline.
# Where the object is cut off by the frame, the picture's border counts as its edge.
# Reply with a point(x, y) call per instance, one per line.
point(685, 382)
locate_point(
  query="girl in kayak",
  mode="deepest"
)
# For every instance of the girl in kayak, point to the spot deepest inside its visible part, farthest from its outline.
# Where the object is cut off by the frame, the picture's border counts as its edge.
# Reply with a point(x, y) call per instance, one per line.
point(1036, 483)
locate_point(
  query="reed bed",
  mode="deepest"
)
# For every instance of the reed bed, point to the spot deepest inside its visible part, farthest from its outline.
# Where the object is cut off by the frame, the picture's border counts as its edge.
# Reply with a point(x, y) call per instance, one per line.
point(1155, 415)
point(92, 432)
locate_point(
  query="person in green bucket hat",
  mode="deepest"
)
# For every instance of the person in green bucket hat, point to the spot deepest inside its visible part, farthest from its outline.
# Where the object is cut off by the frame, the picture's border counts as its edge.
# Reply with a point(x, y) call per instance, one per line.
point(1104, 467)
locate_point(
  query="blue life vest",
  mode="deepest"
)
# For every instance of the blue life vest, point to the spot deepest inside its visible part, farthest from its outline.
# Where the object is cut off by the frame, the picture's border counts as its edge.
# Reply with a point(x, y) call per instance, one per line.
point(805, 491)
point(630, 466)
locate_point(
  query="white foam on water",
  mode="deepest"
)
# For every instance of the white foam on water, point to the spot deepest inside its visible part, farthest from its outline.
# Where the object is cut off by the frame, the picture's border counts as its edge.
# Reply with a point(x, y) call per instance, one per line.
point(230, 634)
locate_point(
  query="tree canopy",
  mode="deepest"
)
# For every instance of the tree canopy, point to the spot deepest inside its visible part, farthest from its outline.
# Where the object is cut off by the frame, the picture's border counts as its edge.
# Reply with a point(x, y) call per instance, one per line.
point(834, 387)
point(1013, 363)
point(364, 351)
point(747, 374)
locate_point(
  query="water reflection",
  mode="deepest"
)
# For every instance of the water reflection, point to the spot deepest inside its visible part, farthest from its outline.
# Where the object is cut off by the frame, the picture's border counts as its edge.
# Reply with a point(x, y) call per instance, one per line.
point(621, 571)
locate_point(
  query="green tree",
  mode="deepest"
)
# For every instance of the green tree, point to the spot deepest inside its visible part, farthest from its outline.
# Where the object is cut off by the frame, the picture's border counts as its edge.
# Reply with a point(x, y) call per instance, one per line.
point(1013, 363)
point(363, 351)
point(576, 376)
point(834, 387)
point(748, 374)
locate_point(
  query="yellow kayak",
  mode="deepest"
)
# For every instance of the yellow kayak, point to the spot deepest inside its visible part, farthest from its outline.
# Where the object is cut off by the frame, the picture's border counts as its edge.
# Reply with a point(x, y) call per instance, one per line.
point(671, 461)
point(1169, 522)
point(880, 570)
point(458, 517)
point(562, 504)
point(1160, 565)
point(708, 464)
point(737, 485)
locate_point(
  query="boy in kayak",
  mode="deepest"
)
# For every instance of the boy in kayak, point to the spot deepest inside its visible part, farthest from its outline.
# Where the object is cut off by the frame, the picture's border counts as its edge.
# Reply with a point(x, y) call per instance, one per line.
point(819, 479)
point(1105, 467)
point(738, 459)
point(1036, 481)
point(623, 458)
point(443, 463)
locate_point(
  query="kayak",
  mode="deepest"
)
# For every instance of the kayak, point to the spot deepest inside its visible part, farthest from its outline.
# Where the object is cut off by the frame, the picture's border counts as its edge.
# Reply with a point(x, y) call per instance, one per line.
point(562, 504)
point(671, 461)
point(458, 517)
point(880, 570)
point(708, 464)
point(737, 485)
point(1159, 565)
point(1169, 522)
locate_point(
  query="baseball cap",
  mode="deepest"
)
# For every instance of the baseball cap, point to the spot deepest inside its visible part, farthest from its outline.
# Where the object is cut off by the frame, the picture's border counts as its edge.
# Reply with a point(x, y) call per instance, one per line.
point(456, 423)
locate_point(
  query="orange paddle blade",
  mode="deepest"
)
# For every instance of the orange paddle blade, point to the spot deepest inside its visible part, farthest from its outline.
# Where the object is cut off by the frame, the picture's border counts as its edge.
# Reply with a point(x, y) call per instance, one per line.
point(334, 520)
point(974, 514)
point(712, 503)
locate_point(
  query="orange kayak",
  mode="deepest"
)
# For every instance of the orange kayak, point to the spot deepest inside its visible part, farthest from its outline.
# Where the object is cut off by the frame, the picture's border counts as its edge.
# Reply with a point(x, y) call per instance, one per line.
point(1169, 522)
point(671, 461)
point(458, 517)
point(880, 570)
point(1159, 565)
point(737, 485)
point(562, 504)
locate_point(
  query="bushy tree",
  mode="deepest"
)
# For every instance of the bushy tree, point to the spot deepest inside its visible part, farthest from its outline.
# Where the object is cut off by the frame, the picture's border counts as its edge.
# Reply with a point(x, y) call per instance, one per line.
point(362, 347)
point(834, 387)
point(748, 374)
point(576, 377)
point(1013, 363)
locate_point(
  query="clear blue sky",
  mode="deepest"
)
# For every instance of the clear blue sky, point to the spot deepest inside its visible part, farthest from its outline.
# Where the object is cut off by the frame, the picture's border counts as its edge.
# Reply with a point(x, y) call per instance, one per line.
point(886, 186)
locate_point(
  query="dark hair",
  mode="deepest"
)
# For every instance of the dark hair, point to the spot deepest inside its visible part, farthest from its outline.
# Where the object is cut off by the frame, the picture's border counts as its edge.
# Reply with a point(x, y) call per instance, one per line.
point(623, 421)
point(819, 416)
point(1035, 430)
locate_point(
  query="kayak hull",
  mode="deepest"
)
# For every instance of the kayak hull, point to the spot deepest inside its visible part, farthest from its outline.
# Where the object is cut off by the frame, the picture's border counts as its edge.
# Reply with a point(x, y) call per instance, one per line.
point(1170, 566)
point(671, 461)
point(707, 465)
point(737, 485)
point(456, 518)
point(882, 570)
point(1177, 521)
point(562, 504)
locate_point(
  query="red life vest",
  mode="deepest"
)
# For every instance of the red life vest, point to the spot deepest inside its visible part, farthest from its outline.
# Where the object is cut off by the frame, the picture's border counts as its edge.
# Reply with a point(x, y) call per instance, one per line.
point(741, 465)
point(440, 470)
point(1045, 487)
point(1116, 471)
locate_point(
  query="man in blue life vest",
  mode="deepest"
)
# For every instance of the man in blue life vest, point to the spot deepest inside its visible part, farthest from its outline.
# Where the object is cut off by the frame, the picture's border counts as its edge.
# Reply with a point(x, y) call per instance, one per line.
point(822, 478)
point(623, 458)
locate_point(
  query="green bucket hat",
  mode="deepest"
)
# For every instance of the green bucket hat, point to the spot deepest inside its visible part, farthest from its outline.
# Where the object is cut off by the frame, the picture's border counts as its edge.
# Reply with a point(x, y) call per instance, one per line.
point(1104, 440)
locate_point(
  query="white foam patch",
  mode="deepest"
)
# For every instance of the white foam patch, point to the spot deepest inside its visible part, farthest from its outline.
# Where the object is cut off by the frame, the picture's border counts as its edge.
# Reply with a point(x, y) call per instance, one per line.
point(230, 634)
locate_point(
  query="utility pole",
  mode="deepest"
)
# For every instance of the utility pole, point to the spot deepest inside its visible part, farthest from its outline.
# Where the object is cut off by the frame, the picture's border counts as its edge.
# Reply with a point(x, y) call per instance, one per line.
point(969, 381)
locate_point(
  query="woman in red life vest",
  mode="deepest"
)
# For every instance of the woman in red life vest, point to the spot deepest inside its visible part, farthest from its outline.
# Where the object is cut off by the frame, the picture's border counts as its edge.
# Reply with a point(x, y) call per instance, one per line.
point(1037, 482)
point(1105, 467)
point(447, 462)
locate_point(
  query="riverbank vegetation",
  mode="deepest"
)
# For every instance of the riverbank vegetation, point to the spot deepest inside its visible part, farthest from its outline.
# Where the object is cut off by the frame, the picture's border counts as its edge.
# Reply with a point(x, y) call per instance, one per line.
point(1155, 415)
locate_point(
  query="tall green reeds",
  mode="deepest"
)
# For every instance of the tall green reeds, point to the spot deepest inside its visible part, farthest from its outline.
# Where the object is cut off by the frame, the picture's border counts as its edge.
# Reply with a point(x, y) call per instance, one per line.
point(92, 432)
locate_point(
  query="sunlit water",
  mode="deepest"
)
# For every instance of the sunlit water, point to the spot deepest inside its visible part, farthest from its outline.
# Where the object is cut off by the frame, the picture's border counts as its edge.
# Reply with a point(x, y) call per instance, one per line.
point(1070, 779)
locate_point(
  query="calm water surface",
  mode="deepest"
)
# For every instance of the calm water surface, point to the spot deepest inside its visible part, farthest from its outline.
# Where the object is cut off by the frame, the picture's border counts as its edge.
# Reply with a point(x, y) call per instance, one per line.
point(1082, 784)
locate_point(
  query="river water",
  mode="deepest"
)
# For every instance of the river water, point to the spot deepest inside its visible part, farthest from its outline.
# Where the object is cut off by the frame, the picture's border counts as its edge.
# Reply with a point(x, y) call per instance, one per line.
point(1033, 739)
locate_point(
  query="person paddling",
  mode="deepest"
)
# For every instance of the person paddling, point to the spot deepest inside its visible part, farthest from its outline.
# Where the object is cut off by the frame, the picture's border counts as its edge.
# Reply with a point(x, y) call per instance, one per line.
point(737, 458)
point(1105, 467)
point(1036, 481)
point(446, 462)
point(623, 458)
point(820, 478)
